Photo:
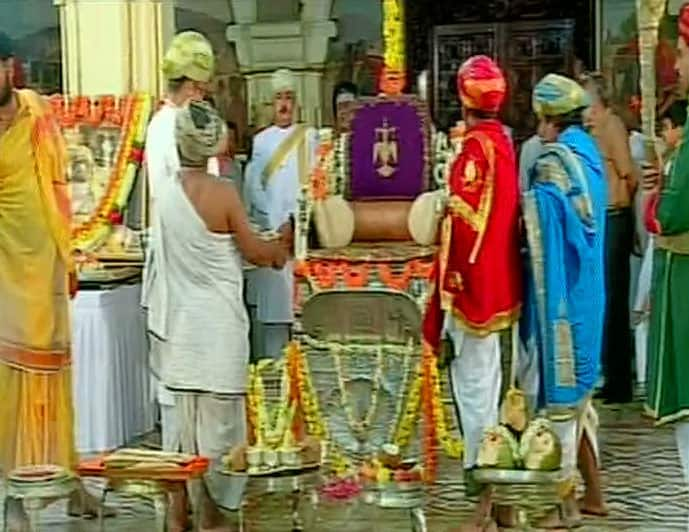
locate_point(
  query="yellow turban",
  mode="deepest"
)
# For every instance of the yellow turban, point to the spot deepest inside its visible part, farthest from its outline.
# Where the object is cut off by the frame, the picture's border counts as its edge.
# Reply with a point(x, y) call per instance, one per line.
point(190, 55)
point(557, 95)
point(283, 80)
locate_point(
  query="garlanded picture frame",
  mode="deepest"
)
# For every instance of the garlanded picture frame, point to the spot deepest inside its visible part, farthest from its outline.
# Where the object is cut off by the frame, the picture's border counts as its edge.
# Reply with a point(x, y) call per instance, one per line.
point(105, 139)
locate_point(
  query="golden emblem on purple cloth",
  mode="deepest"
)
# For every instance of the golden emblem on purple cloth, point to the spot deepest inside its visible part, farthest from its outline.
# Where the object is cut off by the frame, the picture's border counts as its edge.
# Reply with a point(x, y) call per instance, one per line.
point(385, 152)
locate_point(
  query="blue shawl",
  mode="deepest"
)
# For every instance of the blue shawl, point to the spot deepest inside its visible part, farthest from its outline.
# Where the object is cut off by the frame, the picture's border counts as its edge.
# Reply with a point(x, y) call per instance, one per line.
point(564, 308)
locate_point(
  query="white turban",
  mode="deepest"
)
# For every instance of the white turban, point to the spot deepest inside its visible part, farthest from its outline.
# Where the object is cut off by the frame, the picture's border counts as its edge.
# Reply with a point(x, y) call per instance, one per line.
point(283, 80)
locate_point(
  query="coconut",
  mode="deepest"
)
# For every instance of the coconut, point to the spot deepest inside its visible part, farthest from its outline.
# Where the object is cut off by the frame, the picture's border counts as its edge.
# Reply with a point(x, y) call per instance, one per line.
point(540, 448)
point(498, 449)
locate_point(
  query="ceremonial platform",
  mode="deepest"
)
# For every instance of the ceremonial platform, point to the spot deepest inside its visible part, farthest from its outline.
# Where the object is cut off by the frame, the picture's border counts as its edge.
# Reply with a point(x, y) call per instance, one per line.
point(642, 480)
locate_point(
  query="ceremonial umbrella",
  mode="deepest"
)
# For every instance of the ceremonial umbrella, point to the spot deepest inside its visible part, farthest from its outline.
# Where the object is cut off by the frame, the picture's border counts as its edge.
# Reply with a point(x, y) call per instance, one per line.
point(648, 13)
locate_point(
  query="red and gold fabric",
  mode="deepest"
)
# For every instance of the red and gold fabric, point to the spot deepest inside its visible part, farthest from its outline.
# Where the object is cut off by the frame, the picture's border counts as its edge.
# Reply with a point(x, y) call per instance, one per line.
point(481, 84)
point(477, 275)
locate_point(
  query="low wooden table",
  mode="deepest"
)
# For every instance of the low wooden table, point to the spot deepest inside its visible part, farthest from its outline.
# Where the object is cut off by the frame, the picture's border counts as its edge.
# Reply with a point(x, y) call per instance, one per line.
point(151, 484)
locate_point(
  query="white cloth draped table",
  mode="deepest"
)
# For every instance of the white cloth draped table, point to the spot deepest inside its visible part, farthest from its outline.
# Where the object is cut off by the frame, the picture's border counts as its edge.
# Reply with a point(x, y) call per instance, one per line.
point(111, 380)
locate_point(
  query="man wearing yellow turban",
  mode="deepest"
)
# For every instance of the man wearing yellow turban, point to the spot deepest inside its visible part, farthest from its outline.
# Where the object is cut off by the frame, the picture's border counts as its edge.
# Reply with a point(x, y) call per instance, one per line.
point(188, 67)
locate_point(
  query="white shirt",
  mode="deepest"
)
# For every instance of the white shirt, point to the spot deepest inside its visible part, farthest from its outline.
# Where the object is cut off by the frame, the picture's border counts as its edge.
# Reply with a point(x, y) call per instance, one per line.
point(162, 164)
point(162, 159)
point(270, 206)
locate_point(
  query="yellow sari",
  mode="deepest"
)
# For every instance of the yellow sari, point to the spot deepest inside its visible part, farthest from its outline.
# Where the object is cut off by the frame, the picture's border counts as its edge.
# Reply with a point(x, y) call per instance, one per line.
point(36, 413)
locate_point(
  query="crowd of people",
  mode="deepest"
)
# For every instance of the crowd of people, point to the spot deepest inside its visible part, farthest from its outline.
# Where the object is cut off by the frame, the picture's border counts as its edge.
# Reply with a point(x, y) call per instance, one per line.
point(539, 245)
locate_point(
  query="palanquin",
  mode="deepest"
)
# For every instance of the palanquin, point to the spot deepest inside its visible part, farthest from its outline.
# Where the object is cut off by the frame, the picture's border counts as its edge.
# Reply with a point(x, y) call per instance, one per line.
point(105, 139)
point(365, 243)
point(366, 216)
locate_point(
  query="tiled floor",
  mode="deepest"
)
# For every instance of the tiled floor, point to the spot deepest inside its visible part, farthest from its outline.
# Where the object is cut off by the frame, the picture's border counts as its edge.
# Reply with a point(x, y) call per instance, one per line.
point(644, 486)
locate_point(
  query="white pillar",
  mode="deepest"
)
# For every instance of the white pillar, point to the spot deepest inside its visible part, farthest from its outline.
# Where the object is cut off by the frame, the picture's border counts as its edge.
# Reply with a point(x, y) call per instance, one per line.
point(114, 47)
point(301, 45)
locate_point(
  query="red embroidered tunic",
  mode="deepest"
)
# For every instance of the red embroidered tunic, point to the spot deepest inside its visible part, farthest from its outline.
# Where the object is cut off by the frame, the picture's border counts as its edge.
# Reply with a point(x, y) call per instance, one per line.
point(478, 270)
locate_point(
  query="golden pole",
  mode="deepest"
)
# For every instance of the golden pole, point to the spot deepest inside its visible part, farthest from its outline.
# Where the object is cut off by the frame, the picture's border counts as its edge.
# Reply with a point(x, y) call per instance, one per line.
point(649, 14)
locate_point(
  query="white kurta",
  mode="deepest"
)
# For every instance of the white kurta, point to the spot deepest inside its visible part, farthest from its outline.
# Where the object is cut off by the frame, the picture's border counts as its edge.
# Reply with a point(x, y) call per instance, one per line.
point(162, 159)
point(269, 206)
point(162, 165)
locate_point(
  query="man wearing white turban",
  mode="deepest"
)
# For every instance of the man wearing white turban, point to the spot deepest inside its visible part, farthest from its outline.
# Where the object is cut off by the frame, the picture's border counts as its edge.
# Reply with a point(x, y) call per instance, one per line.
point(283, 156)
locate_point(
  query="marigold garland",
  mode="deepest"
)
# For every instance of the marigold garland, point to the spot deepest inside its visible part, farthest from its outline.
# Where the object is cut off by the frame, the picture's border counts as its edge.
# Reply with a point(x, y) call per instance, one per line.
point(423, 396)
point(306, 398)
point(134, 112)
point(393, 35)
point(326, 274)
point(325, 155)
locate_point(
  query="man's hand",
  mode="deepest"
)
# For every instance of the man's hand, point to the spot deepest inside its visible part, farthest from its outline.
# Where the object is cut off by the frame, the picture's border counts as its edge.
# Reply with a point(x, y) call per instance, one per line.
point(73, 284)
point(281, 255)
point(650, 177)
point(286, 232)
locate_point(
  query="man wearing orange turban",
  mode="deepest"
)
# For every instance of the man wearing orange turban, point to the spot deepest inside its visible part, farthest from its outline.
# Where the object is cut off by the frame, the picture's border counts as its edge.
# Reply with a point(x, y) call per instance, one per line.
point(667, 217)
point(478, 276)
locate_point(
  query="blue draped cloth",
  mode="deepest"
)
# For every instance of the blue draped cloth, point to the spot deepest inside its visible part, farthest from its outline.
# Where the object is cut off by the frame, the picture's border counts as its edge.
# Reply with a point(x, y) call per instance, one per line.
point(564, 214)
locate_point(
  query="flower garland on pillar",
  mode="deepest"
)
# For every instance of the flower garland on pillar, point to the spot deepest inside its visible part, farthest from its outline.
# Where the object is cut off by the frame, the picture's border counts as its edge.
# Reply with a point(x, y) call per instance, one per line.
point(393, 77)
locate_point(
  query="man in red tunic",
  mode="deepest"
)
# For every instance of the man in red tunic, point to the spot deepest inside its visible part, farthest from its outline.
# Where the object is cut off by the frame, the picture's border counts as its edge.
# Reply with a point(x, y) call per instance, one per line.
point(478, 273)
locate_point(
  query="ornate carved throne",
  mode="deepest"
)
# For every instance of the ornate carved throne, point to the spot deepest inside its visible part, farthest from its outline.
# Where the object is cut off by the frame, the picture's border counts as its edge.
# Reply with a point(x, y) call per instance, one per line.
point(359, 306)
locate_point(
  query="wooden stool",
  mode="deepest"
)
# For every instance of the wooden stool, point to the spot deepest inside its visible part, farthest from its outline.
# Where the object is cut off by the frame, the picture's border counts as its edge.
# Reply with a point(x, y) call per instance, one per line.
point(36, 493)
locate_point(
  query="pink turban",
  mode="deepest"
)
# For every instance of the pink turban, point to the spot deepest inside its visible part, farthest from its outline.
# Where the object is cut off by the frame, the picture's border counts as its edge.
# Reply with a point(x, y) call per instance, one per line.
point(481, 84)
point(684, 22)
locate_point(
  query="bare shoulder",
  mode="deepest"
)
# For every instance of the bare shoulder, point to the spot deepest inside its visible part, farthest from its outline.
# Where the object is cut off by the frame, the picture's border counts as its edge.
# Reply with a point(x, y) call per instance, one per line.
point(223, 189)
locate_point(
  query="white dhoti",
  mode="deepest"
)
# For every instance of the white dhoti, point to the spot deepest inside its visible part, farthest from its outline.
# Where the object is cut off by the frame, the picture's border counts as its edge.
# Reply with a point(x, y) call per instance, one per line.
point(584, 420)
point(476, 379)
point(571, 430)
point(211, 425)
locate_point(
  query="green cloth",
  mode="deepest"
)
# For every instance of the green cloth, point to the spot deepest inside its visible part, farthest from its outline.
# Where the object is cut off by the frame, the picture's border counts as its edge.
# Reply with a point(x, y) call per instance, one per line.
point(668, 341)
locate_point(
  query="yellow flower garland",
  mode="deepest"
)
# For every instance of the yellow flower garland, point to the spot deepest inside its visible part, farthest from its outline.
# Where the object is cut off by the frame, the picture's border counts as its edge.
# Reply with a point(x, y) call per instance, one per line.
point(452, 446)
point(393, 35)
point(296, 372)
point(91, 234)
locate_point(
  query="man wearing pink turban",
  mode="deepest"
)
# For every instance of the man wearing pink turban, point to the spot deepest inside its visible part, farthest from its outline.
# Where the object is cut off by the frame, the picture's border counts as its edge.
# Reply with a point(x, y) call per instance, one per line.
point(478, 271)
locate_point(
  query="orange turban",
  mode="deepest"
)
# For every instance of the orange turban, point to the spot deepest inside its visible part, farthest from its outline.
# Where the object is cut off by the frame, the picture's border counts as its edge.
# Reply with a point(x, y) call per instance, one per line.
point(683, 21)
point(481, 84)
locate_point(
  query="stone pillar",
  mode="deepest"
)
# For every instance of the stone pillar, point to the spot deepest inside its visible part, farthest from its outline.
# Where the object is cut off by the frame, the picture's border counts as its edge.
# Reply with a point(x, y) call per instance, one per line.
point(114, 47)
point(300, 44)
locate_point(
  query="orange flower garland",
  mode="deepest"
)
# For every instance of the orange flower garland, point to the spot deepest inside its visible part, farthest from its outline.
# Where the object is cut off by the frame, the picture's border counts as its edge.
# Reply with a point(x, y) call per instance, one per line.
point(134, 113)
point(390, 280)
point(303, 394)
point(430, 439)
point(319, 175)
point(325, 274)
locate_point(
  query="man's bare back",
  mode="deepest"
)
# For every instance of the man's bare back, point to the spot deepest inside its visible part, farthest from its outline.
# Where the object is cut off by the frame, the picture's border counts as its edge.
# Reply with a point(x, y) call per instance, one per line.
point(218, 204)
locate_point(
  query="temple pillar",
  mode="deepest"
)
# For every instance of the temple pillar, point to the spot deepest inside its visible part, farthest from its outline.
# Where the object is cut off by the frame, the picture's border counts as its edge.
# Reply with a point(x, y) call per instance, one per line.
point(114, 47)
point(298, 40)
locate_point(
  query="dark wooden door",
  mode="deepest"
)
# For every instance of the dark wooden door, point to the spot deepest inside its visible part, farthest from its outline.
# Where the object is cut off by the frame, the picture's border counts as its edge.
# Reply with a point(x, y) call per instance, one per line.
point(532, 50)
point(452, 45)
point(526, 51)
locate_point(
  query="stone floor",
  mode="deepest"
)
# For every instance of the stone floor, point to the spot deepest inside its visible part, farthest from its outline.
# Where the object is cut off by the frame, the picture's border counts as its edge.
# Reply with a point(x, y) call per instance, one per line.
point(643, 481)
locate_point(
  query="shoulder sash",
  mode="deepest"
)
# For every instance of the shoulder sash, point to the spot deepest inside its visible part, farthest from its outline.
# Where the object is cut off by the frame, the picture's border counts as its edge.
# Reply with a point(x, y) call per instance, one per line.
point(295, 139)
